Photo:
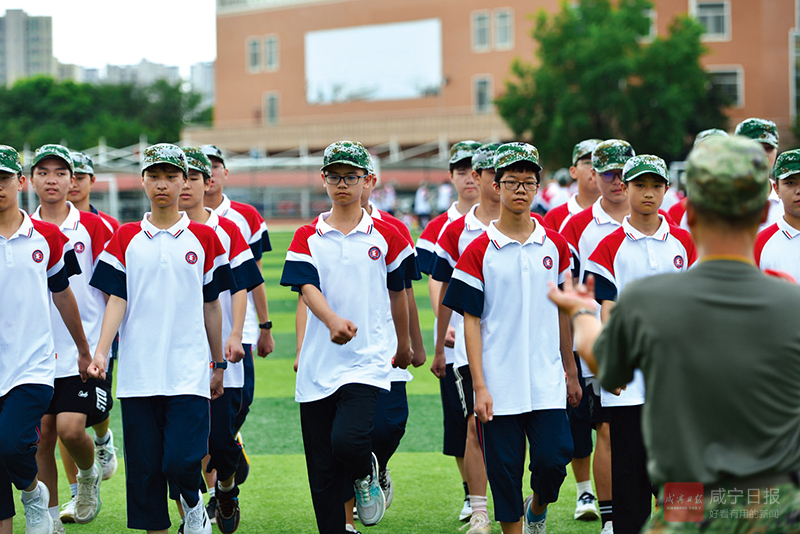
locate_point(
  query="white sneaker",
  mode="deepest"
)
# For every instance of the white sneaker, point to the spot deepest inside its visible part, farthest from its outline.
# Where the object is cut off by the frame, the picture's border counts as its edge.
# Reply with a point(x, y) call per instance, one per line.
point(385, 480)
point(479, 524)
point(37, 518)
point(608, 528)
point(538, 527)
point(67, 514)
point(466, 510)
point(195, 519)
point(106, 456)
point(351, 529)
point(370, 500)
point(58, 527)
point(586, 507)
point(87, 501)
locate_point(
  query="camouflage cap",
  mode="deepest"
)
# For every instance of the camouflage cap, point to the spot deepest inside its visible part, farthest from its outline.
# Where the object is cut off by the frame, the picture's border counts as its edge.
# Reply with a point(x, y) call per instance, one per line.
point(584, 148)
point(787, 164)
point(705, 134)
point(511, 153)
point(611, 154)
point(9, 160)
point(562, 176)
point(197, 160)
point(484, 157)
point(83, 163)
point(644, 164)
point(164, 153)
point(463, 150)
point(762, 130)
point(349, 153)
point(53, 151)
point(212, 151)
point(728, 175)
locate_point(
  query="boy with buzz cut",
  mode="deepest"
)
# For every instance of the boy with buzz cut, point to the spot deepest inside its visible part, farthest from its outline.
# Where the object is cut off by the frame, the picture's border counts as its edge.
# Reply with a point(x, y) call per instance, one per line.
point(224, 450)
point(766, 133)
point(75, 399)
point(340, 373)
point(588, 192)
point(518, 345)
point(644, 245)
point(38, 261)
point(163, 276)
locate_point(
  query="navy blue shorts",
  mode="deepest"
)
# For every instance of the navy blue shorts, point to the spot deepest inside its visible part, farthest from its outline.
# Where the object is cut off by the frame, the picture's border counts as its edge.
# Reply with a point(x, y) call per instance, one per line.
point(458, 403)
point(597, 414)
point(165, 441)
point(222, 444)
point(503, 443)
point(21, 411)
point(580, 419)
point(249, 389)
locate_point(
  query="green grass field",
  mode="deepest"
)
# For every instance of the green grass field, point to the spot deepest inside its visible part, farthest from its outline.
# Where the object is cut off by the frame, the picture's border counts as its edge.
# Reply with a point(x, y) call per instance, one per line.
point(276, 499)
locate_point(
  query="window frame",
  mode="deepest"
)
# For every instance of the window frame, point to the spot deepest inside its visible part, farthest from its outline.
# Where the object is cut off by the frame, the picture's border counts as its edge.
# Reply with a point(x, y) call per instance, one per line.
point(738, 70)
point(486, 15)
point(476, 106)
point(496, 28)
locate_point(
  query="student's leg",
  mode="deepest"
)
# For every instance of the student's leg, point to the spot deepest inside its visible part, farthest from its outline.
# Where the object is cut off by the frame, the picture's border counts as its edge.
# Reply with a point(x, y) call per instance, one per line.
point(391, 416)
point(70, 469)
point(601, 463)
point(352, 426)
point(187, 426)
point(632, 488)
point(551, 449)
point(46, 457)
point(71, 429)
point(5, 525)
point(473, 457)
point(223, 449)
point(503, 442)
point(455, 430)
point(248, 391)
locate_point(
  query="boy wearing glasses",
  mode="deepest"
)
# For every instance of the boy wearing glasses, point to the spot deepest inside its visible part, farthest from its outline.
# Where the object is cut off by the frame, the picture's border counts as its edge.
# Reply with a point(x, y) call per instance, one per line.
point(342, 364)
point(518, 345)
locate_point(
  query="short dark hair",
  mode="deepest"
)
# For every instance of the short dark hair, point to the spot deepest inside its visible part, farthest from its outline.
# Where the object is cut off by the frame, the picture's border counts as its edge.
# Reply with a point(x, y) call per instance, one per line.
point(165, 167)
point(463, 164)
point(518, 167)
point(734, 222)
point(71, 172)
point(480, 171)
point(215, 158)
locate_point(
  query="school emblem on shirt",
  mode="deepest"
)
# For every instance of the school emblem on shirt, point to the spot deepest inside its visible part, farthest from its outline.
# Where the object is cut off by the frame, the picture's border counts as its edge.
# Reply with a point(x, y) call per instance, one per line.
point(548, 262)
point(38, 257)
point(375, 253)
point(678, 261)
point(79, 247)
point(191, 258)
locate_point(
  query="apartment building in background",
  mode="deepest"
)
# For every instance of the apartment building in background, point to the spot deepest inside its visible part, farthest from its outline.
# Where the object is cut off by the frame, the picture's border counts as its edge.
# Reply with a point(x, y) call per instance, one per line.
point(26, 46)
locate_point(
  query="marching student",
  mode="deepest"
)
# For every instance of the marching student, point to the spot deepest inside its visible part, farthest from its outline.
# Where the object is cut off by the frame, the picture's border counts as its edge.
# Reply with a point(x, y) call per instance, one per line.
point(766, 133)
point(588, 192)
point(163, 276)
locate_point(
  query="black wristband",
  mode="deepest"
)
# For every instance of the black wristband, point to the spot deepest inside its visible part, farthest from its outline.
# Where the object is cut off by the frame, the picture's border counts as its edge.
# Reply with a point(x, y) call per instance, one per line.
point(265, 326)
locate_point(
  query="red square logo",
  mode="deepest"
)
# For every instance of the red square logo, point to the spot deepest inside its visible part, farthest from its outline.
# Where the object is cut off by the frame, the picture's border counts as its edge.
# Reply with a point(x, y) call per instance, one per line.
point(683, 502)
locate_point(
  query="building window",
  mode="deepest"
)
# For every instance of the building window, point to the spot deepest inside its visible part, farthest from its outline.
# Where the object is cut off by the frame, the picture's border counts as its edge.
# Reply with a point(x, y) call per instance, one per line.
point(253, 49)
point(480, 31)
point(271, 53)
point(483, 94)
point(730, 82)
point(504, 29)
point(652, 32)
point(715, 16)
point(271, 108)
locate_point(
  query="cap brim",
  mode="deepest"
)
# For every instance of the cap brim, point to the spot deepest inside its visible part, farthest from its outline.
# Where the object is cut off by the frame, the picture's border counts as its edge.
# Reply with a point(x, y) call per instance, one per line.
point(641, 172)
point(162, 162)
point(45, 156)
point(345, 163)
point(786, 174)
point(9, 169)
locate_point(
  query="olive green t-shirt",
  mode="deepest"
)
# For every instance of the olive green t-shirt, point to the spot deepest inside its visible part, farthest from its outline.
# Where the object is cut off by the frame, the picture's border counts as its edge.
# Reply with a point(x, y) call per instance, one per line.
point(719, 346)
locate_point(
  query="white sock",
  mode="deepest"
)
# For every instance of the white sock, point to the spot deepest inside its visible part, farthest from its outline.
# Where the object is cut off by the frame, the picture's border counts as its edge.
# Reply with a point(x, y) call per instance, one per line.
point(478, 504)
point(212, 491)
point(53, 511)
point(73, 489)
point(86, 472)
point(227, 488)
point(102, 440)
point(28, 496)
point(585, 487)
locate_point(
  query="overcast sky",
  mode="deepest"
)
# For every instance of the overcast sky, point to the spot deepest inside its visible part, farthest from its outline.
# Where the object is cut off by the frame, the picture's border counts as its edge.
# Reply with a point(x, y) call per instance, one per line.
point(93, 33)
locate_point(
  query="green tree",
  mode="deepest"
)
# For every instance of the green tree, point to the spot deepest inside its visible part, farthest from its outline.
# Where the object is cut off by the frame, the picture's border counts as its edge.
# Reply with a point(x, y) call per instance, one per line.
point(598, 76)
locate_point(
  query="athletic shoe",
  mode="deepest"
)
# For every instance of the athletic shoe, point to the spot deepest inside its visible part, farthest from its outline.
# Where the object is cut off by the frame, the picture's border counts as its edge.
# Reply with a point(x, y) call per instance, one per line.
point(87, 501)
point(355, 513)
point(58, 527)
point(37, 518)
point(608, 528)
point(479, 524)
point(370, 501)
point(350, 529)
point(243, 467)
point(227, 512)
point(586, 507)
point(67, 514)
point(211, 509)
point(529, 527)
point(195, 520)
point(385, 480)
point(180, 528)
point(106, 456)
point(466, 511)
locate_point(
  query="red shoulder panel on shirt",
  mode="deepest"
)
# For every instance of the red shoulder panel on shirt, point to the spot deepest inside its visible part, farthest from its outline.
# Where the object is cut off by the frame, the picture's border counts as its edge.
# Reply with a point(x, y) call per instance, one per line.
point(471, 261)
point(251, 215)
point(556, 216)
point(450, 237)
point(300, 240)
point(576, 225)
point(564, 255)
point(238, 244)
point(122, 238)
point(212, 246)
point(399, 225)
point(761, 240)
point(607, 249)
point(686, 240)
point(98, 231)
point(111, 220)
point(432, 229)
point(677, 211)
point(55, 239)
point(394, 239)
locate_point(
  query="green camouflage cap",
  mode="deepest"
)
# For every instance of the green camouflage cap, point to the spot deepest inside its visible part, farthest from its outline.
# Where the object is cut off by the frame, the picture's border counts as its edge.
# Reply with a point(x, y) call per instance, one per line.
point(197, 160)
point(349, 153)
point(611, 154)
point(83, 163)
point(463, 150)
point(761, 130)
point(484, 157)
point(511, 153)
point(787, 164)
point(9, 160)
point(728, 175)
point(164, 153)
point(583, 148)
point(705, 134)
point(639, 165)
point(53, 151)
point(213, 152)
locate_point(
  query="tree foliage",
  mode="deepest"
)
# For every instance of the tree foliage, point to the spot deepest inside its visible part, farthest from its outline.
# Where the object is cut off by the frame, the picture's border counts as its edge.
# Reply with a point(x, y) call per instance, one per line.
point(41, 110)
point(599, 77)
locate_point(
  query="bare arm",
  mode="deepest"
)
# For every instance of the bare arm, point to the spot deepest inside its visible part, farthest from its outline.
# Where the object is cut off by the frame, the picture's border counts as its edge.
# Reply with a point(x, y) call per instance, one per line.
point(342, 330)
point(442, 323)
point(233, 346)
point(212, 317)
point(474, 344)
point(399, 304)
point(574, 391)
point(585, 326)
point(112, 319)
point(266, 343)
point(434, 288)
point(68, 308)
point(605, 310)
point(417, 344)
point(300, 317)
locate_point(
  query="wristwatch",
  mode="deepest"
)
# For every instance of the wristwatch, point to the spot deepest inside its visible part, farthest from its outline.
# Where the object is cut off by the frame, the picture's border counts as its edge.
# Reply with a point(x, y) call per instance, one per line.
point(265, 326)
point(218, 365)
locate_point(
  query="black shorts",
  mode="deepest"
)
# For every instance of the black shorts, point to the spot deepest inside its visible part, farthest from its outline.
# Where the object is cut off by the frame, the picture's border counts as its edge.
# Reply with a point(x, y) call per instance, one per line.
point(597, 414)
point(92, 398)
point(458, 404)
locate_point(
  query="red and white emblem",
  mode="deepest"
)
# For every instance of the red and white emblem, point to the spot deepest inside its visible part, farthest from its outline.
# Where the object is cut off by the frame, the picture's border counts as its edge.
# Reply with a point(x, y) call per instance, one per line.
point(37, 255)
point(191, 258)
point(548, 262)
point(79, 247)
point(678, 261)
point(374, 253)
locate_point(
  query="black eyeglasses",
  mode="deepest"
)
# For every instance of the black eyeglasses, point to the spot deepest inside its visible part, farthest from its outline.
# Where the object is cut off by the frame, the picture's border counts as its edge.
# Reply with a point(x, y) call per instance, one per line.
point(609, 176)
point(335, 179)
point(513, 185)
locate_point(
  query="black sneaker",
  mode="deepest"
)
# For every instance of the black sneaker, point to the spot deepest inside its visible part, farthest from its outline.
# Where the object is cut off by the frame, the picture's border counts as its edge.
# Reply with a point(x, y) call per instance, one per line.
point(227, 512)
point(243, 466)
point(211, 510)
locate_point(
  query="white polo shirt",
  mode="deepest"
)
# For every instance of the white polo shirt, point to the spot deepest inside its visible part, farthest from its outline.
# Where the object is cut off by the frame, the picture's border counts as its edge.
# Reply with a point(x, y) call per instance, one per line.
point(255, 233)
point(32, 261)
point(88, 235)
point(776, 248)
point(353, 273)
point(557, 217)
point(775, 210)
point(504, 282)
point(626, 255)
point(245, 274)
point(165, 276)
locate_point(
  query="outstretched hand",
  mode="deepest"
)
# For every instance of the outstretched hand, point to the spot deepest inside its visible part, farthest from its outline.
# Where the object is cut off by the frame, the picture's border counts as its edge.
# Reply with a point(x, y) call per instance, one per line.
point(573, 297)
